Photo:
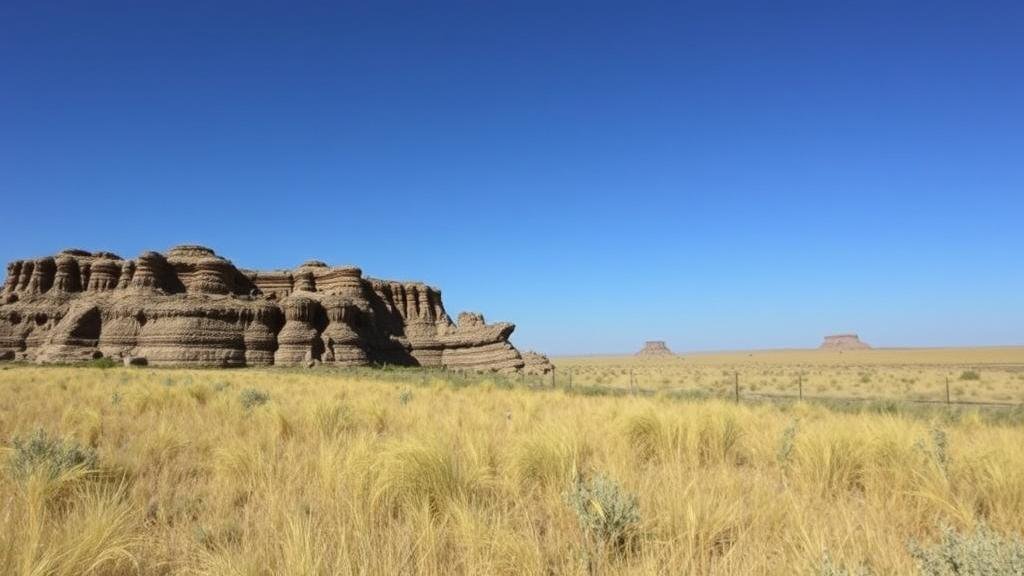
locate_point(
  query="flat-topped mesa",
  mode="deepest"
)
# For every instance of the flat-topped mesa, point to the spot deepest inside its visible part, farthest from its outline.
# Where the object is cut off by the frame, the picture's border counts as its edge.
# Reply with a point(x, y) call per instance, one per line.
point(843, 342)
point(190, 306)
point(655, 348)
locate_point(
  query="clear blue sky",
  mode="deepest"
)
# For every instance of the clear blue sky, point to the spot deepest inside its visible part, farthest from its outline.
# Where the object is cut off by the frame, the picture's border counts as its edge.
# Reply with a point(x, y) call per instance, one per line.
point(720, 175)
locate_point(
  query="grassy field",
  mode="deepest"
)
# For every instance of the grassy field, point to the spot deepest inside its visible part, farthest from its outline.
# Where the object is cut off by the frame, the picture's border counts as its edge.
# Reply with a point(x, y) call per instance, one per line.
point(260, 472)
point(974, 374)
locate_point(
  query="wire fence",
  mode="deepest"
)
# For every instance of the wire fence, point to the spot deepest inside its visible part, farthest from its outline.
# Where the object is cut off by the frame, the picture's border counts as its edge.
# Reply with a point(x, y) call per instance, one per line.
point(567, 379)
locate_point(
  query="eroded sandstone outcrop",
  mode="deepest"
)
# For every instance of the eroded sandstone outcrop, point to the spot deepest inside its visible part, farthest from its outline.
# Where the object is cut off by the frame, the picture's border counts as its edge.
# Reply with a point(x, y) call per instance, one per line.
point(536, 363)
point(843, 342)
point(193, 307)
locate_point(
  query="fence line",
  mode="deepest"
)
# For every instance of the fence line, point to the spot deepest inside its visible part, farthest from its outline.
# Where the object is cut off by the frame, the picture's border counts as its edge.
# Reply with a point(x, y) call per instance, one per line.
point(634, 388)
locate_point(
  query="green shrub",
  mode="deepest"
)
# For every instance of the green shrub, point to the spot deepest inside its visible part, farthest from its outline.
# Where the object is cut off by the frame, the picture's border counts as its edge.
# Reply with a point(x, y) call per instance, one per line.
point(103, 362)
point(43, 453)
point(970, 375)
point(786, 445)
point(608, 515)
point(983, 553)
point(251, 398)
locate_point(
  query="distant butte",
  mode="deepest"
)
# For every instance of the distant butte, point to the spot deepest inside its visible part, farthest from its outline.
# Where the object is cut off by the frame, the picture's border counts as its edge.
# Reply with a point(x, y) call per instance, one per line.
point(843, 342)
point(655, 348)
point(193, 307)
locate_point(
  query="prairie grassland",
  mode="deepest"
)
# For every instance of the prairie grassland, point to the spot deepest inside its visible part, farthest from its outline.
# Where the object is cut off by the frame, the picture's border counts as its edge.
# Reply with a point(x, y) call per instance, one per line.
point(975, 374)
point(259, 472)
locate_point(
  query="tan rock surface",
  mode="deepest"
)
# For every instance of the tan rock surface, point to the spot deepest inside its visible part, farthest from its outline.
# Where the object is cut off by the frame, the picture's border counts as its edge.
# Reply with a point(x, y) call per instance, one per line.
point(536, 363)
point(193, 307)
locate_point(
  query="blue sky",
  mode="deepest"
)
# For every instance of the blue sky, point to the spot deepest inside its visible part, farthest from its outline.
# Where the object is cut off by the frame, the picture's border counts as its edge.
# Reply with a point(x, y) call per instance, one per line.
point(720, 175)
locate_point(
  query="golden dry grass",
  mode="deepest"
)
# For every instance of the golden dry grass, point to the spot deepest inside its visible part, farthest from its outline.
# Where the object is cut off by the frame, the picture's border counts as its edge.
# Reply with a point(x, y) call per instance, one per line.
point(342, 473)
point(883, 374)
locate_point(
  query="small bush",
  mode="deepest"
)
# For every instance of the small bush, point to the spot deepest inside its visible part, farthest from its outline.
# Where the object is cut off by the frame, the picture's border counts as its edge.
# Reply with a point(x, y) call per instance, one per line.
point(51, 455)
point(102, 362)
point(970, 375)
point(251, 398)
point(405, 397)
point(786, 445)
point(940, 447)
point(608, 515)
point(983, 553)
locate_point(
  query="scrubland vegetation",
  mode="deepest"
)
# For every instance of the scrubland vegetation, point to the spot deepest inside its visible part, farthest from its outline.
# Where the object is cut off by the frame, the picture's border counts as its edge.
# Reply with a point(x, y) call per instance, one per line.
point(257, 472)
point(974, 374)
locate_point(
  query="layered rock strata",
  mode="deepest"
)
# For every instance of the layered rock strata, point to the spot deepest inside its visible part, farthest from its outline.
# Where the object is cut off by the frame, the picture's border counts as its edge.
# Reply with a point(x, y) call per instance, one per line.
point(536, 363)
point(193, 307)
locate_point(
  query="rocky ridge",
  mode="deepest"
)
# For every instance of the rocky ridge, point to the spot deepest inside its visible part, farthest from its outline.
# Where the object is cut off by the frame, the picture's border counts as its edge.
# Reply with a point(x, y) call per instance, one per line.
point(190, 306)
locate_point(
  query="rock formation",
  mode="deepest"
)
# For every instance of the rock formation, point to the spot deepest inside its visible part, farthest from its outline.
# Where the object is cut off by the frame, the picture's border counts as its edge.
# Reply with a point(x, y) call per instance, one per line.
point(843, 342)
point(535, 363)
point(654, 348)
point(193, 307)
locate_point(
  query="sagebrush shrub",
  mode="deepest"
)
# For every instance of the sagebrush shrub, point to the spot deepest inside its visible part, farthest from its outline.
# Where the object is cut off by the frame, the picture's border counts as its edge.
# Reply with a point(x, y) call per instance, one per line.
point(786, 445)
point(970, 375)
point(405, 397)
point(50, 455)
point(981, 553)
point(251, 398)
point(608, 515)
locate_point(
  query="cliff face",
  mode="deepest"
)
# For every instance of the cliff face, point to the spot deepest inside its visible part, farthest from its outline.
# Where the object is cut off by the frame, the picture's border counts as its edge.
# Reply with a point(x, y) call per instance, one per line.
point(843, 342)
point(192, 307)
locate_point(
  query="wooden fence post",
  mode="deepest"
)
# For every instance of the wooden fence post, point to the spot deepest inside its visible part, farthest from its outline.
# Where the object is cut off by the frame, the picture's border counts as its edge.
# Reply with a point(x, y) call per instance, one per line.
point(552, 376)
point(800, 380)
point(736, 375)
point(947, 390)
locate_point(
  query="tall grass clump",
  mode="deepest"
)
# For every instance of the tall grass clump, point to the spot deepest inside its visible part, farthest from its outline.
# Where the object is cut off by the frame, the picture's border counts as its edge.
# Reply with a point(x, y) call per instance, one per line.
point(413, 475)
point(646, 434)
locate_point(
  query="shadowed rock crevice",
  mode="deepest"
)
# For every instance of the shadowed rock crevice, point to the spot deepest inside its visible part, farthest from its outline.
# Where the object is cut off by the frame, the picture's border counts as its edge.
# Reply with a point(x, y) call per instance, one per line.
point(193, 307)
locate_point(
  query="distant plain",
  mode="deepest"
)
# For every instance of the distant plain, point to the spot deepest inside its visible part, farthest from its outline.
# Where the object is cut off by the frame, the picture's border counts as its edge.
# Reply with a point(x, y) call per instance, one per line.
point(992, 374)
